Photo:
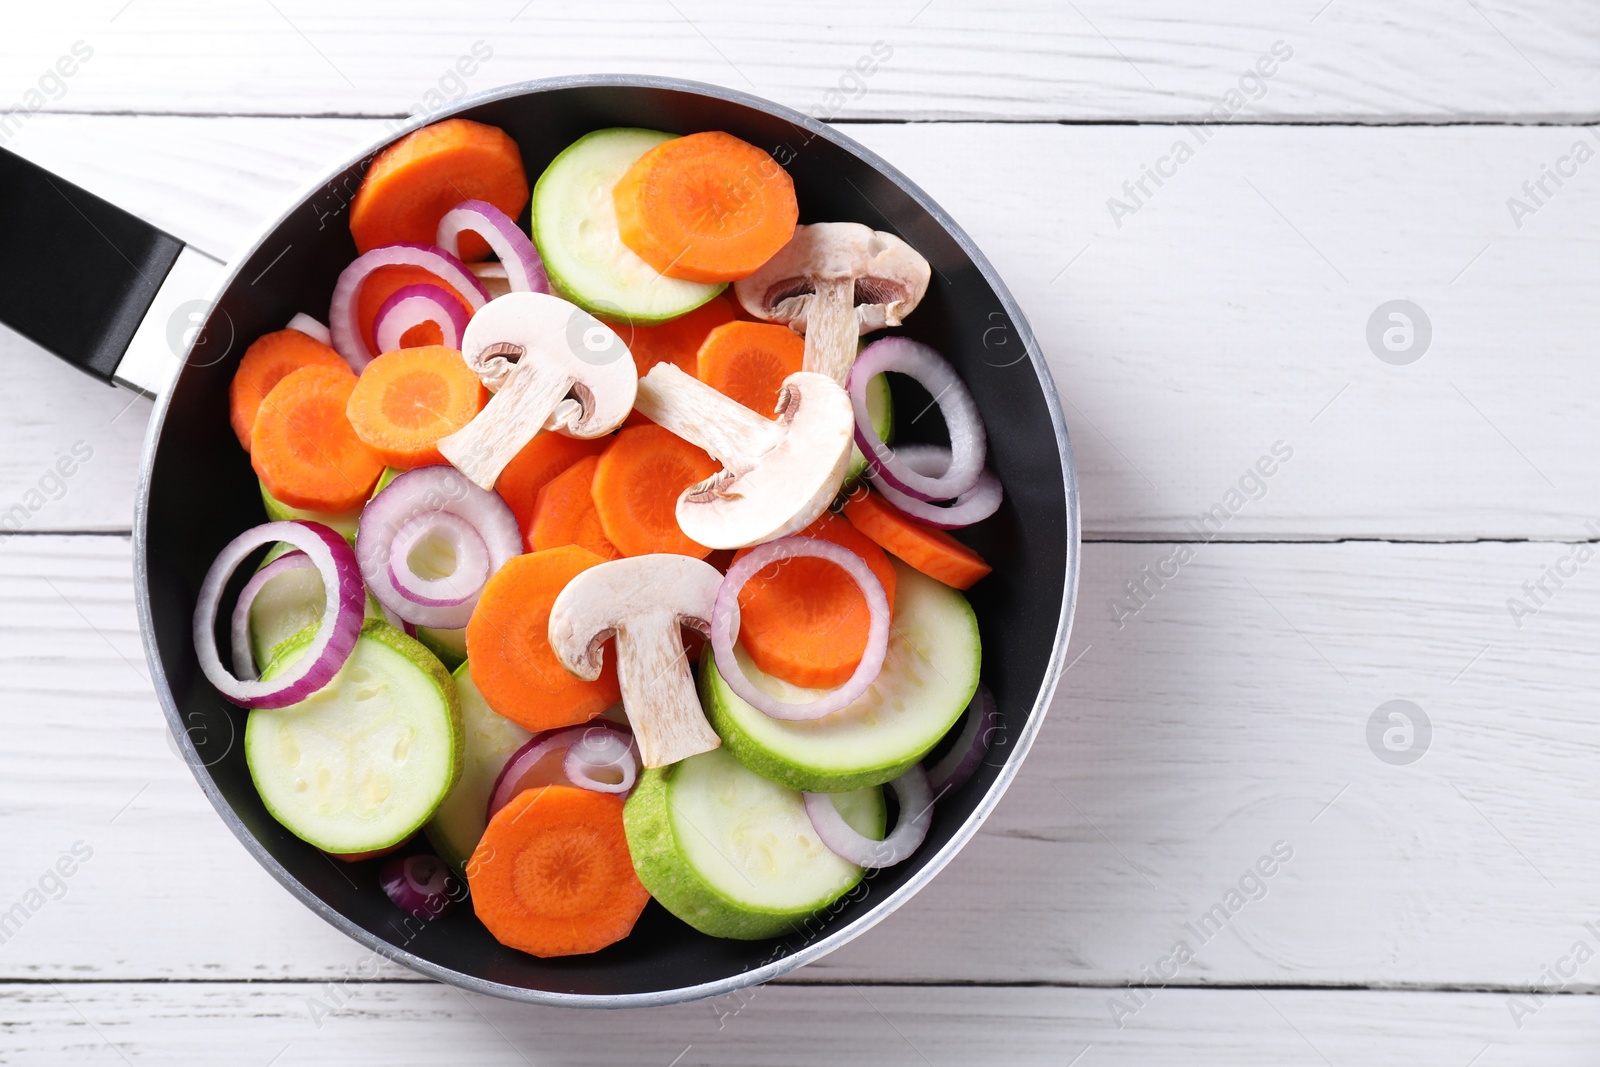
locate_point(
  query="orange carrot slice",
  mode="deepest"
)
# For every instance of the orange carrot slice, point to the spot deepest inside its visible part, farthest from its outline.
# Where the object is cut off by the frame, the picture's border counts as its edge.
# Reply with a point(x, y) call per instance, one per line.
point(565, 514)
point(748, 361)
point(676, 342)
point(265, 364)
point(806, 620)
point(417, 179)
point(933, 552)
point(552, 875)
point(406, 400)
point(303, 447)
point(544, 457)
point(707, 207)
point(508, 642)
point(636, 488)
point(383, 283)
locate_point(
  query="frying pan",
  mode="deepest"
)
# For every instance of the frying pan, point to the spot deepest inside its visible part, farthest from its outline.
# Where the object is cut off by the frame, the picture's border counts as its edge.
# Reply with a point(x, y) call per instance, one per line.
point(127, 321)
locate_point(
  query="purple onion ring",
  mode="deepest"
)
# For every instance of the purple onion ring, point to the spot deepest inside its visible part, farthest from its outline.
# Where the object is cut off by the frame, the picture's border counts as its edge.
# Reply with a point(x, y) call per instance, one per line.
point(975, 505)
point(524, 269)
point(422, 885)
point(413, 305)
point(540, 745)
point(971, 745)
point(454, 589)
point(910, 829)
point(244, 660)
point(968, 440)
point(342, 317)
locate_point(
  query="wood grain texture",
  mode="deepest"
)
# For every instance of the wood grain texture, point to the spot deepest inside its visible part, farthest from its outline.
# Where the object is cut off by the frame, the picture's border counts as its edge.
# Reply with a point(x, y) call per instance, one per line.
point(1228, 715)
point(1352, 60)
point(380, 1024)
point(1227, 313)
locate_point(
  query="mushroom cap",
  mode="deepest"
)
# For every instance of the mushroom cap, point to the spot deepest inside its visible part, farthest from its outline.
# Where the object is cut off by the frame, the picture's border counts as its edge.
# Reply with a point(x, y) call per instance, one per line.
point(657, 590)
point(890, 277)
point(790, 484)
point(559, 338)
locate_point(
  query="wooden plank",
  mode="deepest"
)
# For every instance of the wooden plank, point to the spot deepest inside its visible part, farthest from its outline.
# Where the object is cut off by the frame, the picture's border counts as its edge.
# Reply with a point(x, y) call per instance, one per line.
point(381, 1024)
point(1227, 715)
point(1005, 59)
point(1227, 313)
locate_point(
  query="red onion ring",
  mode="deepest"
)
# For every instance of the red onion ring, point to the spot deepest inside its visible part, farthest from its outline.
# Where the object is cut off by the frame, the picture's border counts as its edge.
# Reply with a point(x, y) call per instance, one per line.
point(975, 505)
point(910, 827)
point(524, 269)
point(971, 745)
point(725, 626)
point(311, 328)
point(968, 441)
point(336, 636)
point(600, 750)
point(412, 305)
point(472, 560)
point(342, 318)
point(422, 885)
point(522, 762)
point(426, 491)
point(244, 660)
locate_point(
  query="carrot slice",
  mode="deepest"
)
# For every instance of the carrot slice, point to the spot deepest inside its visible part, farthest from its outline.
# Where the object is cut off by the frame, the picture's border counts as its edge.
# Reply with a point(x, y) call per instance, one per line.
point(707, 207)
point(417, 179)
point(266, 363)
point(508, 642)
point(544, 457)
point(406, 400)
point(383, 283)
point(565, 514)
point(552, 875)
point(636, 488)
point(303, 447)
point(676, 342)
point(748, 361)
point(933, 552)
point(805, 620)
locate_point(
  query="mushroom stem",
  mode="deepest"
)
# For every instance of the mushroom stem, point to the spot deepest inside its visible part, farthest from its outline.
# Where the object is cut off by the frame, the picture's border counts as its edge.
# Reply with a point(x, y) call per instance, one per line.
point(832, 328)
point(653, 671)
point(482, 448)
point(734, 435)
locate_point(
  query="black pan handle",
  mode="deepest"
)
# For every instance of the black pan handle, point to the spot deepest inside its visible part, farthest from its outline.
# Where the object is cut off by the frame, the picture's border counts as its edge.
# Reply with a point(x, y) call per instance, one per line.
point(77, 275)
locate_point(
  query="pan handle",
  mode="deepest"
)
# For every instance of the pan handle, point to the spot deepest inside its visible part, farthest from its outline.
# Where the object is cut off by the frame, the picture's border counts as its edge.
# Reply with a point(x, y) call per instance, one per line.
point(79, 276)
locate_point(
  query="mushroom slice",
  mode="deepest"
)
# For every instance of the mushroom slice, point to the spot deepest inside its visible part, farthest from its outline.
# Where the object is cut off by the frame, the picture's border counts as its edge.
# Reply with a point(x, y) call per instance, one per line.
point(643, 601)
point(550, 365)
point(833, 282)
point(777, 476)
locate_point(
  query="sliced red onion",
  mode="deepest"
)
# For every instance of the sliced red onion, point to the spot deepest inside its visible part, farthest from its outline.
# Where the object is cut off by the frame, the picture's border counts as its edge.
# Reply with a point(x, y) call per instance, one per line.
point(599, 755)
point(518, 773)
point(524, 269)
point(311, 328)
point(968, 441)
point(466, 543)
point(725, 626)
point(910, 826)
point(422, 885)
point(975, 505)
point(413, 305)
point(422, 492)
point(971, 745)
point(244, 660)
point(342, 317)
point(336, 635)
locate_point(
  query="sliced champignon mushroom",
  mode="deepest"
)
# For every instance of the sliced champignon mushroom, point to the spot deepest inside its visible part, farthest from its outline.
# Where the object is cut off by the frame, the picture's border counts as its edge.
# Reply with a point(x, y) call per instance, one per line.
point(643, 601)
point(551, 365)
point(833, 282)
point(777, 476)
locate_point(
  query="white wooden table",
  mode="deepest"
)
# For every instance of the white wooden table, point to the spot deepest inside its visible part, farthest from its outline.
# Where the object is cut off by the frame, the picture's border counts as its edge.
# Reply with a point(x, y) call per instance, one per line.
point(1443, 911)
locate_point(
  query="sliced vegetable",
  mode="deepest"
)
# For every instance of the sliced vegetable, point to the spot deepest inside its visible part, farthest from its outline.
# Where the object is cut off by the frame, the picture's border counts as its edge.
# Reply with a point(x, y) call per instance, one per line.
point(725, 625)
point(706, 208)
point(575, 229)
point(734, 854)
point(281, 599)
point(509, 643)
point(412, 184)
point(524, 272)
point(637, 485)
point(834, 282)
point(975, 505)
point(438, 560)
point(267, 362)
point(968, 440)
point(408, 399)
point(933, 552)
point(928, 677)
point(565, 514)
point(749, 361)
point(488, 740)
point(969, 747)
point(303, 447)
point(552, 875)
point(365, 760)
point(449, 645)
point(880, 408)
point(379, 288)
point(551, 757)
point(910, 828)
point(777, 476)
point(541, 459)
point(411, 307)
point(804, 619)
point(344, 522)
point(348, 313)
point(644, 602)
point(678, 341)
point(421, 885)
point(311, 328)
